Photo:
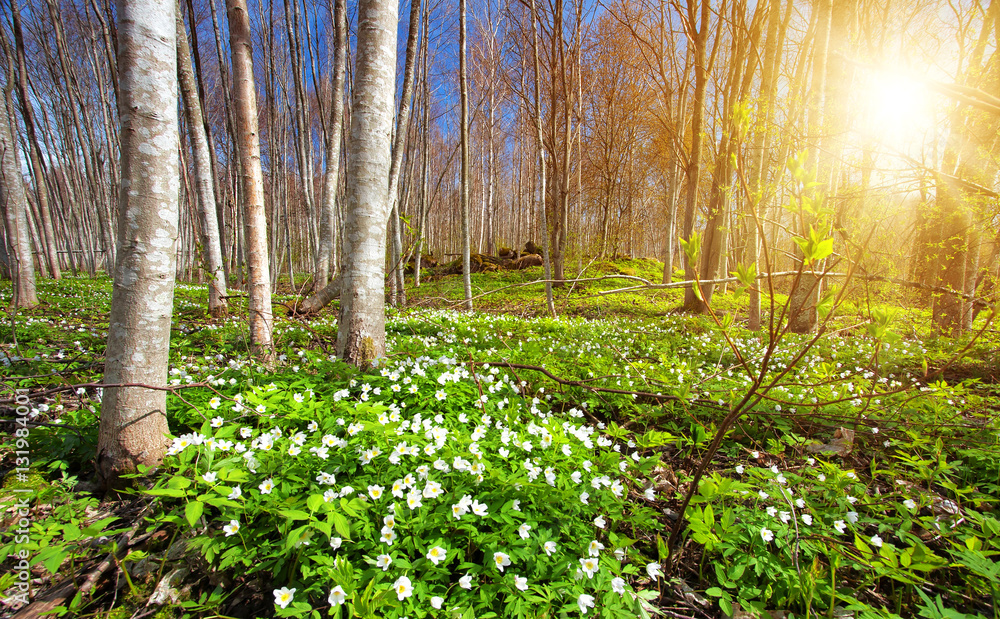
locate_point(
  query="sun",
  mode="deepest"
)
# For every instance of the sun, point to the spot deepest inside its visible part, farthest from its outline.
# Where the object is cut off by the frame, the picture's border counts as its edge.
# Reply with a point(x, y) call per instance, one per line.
point(896, 110)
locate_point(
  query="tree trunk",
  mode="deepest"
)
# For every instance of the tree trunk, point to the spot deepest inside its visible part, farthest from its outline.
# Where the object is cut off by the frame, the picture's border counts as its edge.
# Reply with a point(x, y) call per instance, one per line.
point(247, 136)
point(361, 333)
point(34, 150)
point(550, 304)
point(802, 300)
point(133, 425)
point(331, 176)
point(464, 95)
point(205, 185)
point(699, 37)
point(14, 201)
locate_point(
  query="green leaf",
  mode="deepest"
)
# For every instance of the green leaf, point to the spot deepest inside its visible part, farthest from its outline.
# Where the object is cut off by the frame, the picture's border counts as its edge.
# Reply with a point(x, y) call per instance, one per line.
point(294, 514)
point(171, 492)
point(193, 511)
point(314, 502)
point(52, 557)
point(342, 525)
point(715, 592)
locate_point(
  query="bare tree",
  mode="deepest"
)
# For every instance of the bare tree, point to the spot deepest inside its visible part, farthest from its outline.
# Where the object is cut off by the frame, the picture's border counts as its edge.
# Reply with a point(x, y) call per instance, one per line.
point(14, 202)
point(361, 333)
point(248, 140)
point(463, 76)
point(34, 149)
point(133, 418)
point(204, 183)
point(328, 206)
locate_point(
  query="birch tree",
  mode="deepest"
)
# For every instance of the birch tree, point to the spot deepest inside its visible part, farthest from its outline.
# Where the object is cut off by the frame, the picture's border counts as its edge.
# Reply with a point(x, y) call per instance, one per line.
point(14, 202)
point(464, 96)
point(331, 176)
point(361, 333)
point(252, 178)
point(133, 423)
point(211, 246)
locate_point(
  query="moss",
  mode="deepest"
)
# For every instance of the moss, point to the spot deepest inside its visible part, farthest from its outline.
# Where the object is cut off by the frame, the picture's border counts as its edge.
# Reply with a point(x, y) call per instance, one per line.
point(34, 482)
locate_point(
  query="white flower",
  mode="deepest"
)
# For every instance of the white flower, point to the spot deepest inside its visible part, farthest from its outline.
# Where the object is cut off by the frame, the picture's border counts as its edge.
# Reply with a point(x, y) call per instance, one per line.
point(383, 562)
point(594, 548)
point(465, 582)
point(437, 601)
point(785, 517)
point(403, 588)
point(283, 596)
point(549, 548)
point(876, 541)
point(216, 421)
point(584, 602)
point(910, 504)
point(337, 596)
point(235, 493)
point(589, 565)
point(654, 570)
point(618, 585)
point(432, 490)
point(740, 469)
point(209, 477)
point(266, 486)
point(600, 522)
point(852, 517)
point(501, 560)
point(336, 542)
point(767, 534)
point(437, 554)
point(523, 530)
point(806, 518)
point(840, 526)
point(232, 528)
point(479, 509)
point(388, 536)
point(649, 494)
point(521, 582)
point(375, 492)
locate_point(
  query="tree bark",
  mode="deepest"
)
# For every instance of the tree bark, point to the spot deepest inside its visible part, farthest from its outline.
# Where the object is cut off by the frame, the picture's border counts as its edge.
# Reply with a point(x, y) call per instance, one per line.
point(699, 37)
point(361, 332)
point(133, 425)
point(331, 176)
point(399, 146)
point(463, 76)
point(247, 136)
point(550, 304)
point(14, 201)
point(204, 182)
point(34, 150)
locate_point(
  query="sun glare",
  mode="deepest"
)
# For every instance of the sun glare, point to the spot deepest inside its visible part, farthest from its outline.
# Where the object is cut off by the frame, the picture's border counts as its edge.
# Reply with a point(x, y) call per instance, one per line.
point(898, 110)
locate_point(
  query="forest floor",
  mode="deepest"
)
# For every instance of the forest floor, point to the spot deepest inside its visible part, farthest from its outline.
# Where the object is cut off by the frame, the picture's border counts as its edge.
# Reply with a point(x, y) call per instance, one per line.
point(502, 463)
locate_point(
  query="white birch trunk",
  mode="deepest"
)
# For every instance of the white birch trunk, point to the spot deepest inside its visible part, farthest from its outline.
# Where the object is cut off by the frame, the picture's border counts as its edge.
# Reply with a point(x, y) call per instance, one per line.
point(361, 333)
point(331, 177)
point(15, 206)
point(133, 423)
point(252, 177)
point(211, 245)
